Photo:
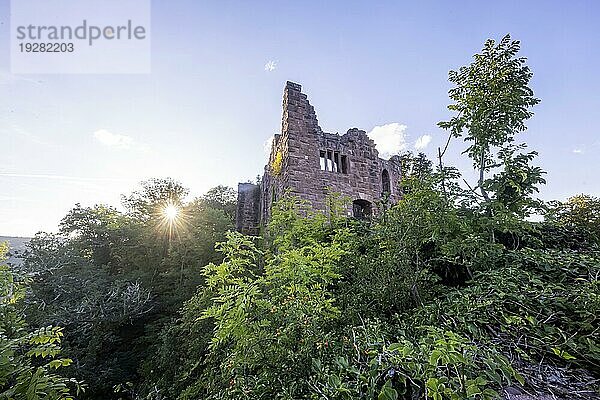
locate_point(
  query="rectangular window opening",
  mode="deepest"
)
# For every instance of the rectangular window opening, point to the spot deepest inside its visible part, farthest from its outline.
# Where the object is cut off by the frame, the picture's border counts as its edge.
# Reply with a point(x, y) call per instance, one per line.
point(344, 164)
point(329, 161)
point(322, 160)
point(336, 162)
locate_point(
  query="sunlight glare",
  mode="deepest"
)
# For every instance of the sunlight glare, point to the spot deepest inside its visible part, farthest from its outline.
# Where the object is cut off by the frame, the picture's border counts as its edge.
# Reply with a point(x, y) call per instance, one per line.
point(171, 212)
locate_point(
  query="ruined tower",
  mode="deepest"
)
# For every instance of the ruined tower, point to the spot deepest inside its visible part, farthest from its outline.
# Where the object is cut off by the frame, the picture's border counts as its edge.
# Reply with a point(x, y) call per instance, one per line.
point(310, 163)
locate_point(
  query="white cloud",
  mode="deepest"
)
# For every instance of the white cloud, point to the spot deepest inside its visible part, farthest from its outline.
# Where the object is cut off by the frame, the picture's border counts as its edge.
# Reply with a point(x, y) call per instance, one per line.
point(270, 65)
point(422, 142)
point(390, 139)
point(577, 151)
point(113, 139)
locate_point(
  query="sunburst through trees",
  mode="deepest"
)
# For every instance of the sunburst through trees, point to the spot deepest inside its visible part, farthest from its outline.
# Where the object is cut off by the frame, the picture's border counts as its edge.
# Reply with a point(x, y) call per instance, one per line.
point(172, 221)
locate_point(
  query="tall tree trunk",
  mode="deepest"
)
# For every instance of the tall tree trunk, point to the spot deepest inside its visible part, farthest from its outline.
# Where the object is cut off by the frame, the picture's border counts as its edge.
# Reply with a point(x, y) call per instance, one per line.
point(481, 172)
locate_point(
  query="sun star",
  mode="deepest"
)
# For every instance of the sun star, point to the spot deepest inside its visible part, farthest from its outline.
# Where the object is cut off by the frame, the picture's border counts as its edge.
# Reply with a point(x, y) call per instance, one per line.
point(171, 212)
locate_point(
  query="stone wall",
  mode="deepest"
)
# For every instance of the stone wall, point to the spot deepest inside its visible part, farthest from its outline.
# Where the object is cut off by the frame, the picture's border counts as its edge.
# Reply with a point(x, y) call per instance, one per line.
point(310, 163)
point(248, 206)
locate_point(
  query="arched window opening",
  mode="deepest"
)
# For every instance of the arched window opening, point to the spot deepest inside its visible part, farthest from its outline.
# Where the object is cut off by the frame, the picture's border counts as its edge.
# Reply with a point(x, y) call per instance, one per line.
point(385, 182)
point(361, 209)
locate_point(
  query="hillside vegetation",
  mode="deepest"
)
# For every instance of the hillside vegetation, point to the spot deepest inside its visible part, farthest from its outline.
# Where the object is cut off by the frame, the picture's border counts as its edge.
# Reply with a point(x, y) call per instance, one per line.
point(453, 293)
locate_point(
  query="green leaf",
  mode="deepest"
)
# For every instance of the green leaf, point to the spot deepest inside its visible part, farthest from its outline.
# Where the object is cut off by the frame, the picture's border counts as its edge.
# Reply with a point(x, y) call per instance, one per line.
point(388, 392)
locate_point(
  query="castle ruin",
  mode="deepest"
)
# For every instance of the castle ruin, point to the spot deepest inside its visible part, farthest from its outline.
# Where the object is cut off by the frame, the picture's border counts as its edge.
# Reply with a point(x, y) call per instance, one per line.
point(309, 163)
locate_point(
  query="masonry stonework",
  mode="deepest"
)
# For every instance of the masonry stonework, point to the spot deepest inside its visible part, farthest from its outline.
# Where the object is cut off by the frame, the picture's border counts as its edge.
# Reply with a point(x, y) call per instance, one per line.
point(310, 164)
point(248, 209)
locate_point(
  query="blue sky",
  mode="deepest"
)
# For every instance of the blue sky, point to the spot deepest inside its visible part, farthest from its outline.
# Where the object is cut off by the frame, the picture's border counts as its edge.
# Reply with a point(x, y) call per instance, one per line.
point(205, 112)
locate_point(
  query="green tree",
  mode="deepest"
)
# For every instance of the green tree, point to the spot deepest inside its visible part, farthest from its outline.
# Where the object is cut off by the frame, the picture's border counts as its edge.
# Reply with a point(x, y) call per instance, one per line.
point(492, 101)
point(104, 312)
point(418, 166)
point(148, 202)
point(113, 279)
point(94, 229)
point(222, 198)
point(578, 219)
point(28, 358)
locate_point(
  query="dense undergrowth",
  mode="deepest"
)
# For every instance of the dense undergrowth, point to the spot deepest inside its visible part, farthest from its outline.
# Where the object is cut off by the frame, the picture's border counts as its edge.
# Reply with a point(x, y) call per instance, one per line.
point(452, 293)
point(332, 308)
